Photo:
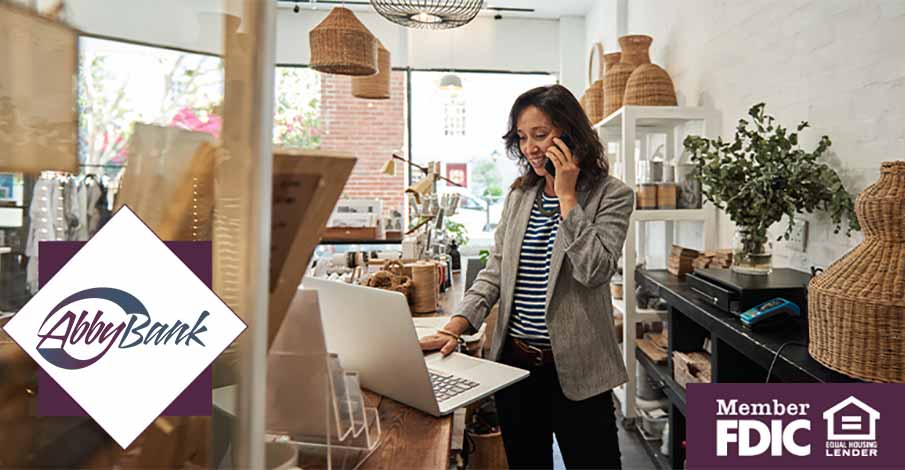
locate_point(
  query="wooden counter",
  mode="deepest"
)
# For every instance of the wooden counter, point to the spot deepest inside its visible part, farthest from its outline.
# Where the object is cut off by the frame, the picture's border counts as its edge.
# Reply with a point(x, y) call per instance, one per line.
point(410, 438)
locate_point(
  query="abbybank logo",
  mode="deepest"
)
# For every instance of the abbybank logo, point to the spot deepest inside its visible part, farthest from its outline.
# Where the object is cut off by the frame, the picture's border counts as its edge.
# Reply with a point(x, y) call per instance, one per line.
point(124, 328)
point(802, 425)
point(68, 329)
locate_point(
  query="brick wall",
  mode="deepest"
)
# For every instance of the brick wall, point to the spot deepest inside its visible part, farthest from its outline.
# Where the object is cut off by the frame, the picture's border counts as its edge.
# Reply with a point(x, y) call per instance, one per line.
point(370, 129)
point(835, 63)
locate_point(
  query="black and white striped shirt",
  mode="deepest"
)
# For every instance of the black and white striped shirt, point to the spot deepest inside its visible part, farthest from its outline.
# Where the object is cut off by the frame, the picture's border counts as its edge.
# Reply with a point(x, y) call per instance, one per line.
point(529, 304)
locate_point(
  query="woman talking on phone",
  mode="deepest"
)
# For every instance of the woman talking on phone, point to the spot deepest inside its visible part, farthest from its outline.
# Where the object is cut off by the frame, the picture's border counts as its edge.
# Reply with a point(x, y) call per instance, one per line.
point(556, 247)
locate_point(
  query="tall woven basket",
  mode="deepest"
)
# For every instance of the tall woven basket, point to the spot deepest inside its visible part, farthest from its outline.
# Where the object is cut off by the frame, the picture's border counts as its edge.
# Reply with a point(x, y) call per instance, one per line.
point(375, 87)
point(594, 93)
point(342, 45)
point(649, 85)
point(856, 308)
point(634, 53)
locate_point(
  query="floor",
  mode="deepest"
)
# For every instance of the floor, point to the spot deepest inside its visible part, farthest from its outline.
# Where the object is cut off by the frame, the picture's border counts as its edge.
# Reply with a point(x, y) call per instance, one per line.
point(633, 455)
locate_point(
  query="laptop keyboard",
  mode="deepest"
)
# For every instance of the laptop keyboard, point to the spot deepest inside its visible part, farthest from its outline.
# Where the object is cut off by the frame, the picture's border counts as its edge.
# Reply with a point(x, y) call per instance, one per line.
point(448, 386)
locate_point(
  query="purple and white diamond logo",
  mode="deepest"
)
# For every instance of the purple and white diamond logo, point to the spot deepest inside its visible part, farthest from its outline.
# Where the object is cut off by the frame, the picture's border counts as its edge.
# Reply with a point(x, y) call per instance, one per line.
point(124, 327)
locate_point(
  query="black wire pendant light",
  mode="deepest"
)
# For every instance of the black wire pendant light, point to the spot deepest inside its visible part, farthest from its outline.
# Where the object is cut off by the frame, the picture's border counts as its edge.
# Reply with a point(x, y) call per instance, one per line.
point(428, 14)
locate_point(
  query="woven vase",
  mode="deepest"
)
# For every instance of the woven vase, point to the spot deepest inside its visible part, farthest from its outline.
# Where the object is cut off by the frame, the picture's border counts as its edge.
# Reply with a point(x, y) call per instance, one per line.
point(342, 45)
point(649, 85)
point(375, 87)
point(856, 309)
point(634, 53)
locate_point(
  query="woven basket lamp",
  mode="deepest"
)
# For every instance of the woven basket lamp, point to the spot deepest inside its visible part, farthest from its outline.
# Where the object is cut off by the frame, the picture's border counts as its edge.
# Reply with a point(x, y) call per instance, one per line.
point(375, 87)
point(342, 45)
point(634, 53)
point(856, 309)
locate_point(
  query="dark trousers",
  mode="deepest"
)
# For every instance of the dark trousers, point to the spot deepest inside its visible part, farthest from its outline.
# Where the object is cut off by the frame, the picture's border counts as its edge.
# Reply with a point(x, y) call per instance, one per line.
point(532, 410)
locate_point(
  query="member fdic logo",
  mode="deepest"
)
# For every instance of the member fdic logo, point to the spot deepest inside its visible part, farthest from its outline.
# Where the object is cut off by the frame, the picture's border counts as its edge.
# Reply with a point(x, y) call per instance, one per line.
point(124, 327)
point(809, 425)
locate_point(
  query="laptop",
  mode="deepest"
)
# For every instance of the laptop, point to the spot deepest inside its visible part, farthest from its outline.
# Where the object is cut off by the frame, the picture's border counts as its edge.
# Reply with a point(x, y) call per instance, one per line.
point(373, 333)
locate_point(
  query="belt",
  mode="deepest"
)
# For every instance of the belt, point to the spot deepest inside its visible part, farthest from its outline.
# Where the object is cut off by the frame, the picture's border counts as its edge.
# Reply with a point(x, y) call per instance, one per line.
point(529, 354)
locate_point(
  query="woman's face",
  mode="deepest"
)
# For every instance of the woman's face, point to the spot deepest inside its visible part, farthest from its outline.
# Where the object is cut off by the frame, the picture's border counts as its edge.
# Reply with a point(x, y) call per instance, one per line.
point(536, 133)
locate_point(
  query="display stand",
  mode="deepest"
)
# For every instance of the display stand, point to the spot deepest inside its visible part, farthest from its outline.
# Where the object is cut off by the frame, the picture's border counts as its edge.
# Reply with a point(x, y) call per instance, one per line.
point(628, 132)
point(312, 402)
point(317, 407)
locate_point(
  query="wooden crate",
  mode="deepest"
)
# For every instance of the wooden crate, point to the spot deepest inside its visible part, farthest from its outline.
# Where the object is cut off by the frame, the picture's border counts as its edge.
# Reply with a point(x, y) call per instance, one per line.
point(692, 367)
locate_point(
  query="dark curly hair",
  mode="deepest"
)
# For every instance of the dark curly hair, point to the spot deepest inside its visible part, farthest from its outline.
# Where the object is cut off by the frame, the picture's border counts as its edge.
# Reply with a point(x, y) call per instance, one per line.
point(565, 113)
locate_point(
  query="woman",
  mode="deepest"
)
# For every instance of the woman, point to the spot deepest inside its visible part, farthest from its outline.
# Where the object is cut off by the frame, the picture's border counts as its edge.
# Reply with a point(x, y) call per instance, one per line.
point(556, 248)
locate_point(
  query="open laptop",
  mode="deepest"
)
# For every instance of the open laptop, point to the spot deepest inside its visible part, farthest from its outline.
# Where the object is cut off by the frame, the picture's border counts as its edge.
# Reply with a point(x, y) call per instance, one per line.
point(372, 332)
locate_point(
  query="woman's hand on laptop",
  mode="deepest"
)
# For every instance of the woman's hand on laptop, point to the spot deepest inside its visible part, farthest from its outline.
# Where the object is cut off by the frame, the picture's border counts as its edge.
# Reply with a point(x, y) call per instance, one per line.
point(447, 338)
point(446, 344)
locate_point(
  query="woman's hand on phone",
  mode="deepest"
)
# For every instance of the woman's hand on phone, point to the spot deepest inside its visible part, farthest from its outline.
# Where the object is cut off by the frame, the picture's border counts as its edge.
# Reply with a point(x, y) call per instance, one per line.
point(566, 172)
point(444, 343)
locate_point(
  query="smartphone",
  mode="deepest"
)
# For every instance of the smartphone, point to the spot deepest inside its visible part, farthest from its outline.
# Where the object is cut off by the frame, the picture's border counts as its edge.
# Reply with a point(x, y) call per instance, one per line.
point(548, 166)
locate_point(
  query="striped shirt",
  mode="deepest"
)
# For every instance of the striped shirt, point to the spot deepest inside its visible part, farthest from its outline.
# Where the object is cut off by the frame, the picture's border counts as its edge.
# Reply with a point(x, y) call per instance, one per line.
point(529, 304)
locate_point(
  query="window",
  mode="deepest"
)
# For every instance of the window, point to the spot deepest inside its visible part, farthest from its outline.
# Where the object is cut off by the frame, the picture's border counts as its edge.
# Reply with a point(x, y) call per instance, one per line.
point(454, 115)
point(121, 84)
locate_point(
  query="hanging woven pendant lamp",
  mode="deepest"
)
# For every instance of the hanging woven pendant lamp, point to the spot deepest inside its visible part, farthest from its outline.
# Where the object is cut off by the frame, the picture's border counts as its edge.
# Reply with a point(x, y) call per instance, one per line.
point(342, 45)
point(428, 14)
point(375, 87)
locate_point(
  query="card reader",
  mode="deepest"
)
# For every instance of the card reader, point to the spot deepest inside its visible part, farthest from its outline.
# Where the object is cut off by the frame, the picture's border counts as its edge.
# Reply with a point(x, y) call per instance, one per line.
point(771, 311)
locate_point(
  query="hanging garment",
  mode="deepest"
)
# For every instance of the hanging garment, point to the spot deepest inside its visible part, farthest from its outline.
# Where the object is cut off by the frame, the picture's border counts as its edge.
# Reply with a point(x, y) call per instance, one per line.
point(46, 223)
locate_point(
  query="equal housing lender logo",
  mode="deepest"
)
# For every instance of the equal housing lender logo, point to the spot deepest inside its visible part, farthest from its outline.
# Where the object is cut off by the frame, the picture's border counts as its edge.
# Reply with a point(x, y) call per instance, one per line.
point(124, 328)
point(838, 425)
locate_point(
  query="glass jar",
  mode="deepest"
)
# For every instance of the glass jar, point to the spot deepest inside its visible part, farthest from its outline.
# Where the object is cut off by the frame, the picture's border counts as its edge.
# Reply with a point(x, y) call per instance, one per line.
point(752, 252)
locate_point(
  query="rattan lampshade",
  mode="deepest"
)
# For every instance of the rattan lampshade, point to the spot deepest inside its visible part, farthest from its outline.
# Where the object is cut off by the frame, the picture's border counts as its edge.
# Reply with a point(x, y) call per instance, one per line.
point(856, 309)
point(342, 45)
point(428, 14)
point(375, 87)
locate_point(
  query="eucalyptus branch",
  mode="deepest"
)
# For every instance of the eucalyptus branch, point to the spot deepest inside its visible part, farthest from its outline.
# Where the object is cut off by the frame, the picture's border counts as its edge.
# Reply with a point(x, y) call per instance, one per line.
point(764, 174)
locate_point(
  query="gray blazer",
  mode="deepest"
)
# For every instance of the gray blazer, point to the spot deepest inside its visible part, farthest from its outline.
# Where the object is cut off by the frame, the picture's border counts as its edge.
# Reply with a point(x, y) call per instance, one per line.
point(579, 308)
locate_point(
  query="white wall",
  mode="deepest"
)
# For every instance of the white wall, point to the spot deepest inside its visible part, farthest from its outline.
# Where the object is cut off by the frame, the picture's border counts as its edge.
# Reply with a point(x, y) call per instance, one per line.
point(835, 63)
point(572, 66)
point(601, 25)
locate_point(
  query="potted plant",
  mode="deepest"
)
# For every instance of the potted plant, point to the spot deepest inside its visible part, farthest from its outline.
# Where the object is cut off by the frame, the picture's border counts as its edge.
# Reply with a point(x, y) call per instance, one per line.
point(763, 174)
point(458, 237)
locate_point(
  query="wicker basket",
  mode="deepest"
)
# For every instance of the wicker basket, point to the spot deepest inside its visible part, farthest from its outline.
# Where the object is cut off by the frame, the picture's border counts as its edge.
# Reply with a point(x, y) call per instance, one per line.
point(856, 309)
point(594, 93)
point(634, 53)
point(342, 45)
point(375, 87)
point(649, 85)
point(392, 278)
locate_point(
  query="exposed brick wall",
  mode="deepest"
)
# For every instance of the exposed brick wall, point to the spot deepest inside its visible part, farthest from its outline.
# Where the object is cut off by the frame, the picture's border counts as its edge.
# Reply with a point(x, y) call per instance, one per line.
point(835, 63)
point(370, 129)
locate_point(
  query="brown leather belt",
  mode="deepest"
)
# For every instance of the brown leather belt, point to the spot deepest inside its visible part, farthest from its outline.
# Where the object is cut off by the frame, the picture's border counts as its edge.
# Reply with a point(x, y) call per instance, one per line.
point(528, 354)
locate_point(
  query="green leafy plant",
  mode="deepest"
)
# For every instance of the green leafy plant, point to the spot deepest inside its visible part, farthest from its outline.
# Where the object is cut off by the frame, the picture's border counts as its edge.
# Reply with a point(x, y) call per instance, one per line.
point(457, 231)
point(484, 255)
point(763, 174)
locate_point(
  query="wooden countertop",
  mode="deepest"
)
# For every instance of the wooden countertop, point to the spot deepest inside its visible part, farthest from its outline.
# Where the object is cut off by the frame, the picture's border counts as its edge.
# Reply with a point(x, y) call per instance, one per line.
point(411, 438)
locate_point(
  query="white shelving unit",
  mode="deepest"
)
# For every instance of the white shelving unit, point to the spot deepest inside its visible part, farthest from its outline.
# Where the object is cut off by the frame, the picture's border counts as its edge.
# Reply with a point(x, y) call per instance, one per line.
point(631, 129)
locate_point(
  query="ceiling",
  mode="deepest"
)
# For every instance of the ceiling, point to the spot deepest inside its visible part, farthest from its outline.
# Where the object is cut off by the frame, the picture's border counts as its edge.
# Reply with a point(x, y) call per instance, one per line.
point(543, 9)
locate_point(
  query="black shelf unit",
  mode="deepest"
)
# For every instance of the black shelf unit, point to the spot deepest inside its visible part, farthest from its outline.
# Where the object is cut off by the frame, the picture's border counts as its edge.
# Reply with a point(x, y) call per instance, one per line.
point(738, 354)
